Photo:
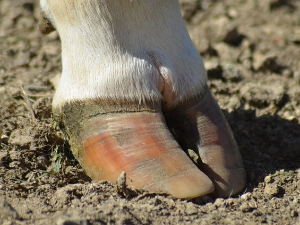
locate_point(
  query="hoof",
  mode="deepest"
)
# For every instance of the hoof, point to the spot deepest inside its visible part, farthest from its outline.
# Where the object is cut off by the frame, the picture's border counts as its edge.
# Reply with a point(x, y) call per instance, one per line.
point(147, 143)
point(199, 124)
point(107, 140)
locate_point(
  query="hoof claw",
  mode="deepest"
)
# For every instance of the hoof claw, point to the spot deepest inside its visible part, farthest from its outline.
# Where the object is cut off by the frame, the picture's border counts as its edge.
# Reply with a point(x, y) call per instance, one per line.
point(138, 143)
point(147, 144)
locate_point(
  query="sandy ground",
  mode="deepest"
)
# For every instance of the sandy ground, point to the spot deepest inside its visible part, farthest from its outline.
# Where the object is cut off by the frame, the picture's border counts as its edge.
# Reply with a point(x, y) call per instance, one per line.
point(251, 49)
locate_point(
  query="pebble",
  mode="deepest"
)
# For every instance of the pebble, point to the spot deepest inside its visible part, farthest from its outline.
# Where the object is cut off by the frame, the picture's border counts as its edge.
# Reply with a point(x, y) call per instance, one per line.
point(268, 179)
point(296, 200)
point(267, 63)
point(271, 189)
point(191, 209)
point(294, 213)
point(219, 202)
point(232, 13)
point(246, 196)
point(18, 138)
point(232, 72)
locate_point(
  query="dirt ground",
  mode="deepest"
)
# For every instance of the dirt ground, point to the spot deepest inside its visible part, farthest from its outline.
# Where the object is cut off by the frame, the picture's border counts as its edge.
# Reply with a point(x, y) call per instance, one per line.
point(251, 50)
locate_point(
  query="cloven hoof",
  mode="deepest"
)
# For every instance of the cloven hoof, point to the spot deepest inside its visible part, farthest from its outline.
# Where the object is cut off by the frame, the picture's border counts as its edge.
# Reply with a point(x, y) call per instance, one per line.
point(148, 141)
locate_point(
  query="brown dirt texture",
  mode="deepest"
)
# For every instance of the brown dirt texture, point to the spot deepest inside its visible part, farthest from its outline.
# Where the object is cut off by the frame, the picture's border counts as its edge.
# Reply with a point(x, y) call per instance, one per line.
point(251, 49)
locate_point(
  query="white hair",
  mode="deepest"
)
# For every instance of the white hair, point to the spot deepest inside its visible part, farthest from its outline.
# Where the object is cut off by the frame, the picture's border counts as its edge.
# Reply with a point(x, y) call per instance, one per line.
point(136, 50)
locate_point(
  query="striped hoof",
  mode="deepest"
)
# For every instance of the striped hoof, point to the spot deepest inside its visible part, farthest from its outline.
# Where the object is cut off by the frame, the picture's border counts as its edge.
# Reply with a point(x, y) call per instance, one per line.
point(148, 145)
point(200, 125)
point(108, 141)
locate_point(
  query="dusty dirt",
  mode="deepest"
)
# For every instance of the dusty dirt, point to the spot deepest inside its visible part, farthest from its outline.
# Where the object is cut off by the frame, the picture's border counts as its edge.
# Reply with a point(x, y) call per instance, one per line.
point(251, 49)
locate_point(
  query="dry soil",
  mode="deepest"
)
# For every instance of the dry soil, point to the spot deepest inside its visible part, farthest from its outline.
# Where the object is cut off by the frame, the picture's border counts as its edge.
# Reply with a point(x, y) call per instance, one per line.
point(251, 50)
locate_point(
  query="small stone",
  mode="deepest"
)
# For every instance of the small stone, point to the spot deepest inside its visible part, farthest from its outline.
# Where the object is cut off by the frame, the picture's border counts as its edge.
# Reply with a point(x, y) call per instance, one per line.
point(294, 213)
point(219, 202)
point(232, 13)
point(194, 156)
point(296, 201)
point(232, 72)
point(13, 91)
point(268, 179)
point(230, 201)
point(271, 189)
point(18, 138)
point(121, 182)
point(267, 63)
point(14, 164)
point(246, 196)
point(191, 209)
point(287, 73)
point(252, 204)
point(122, 187)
